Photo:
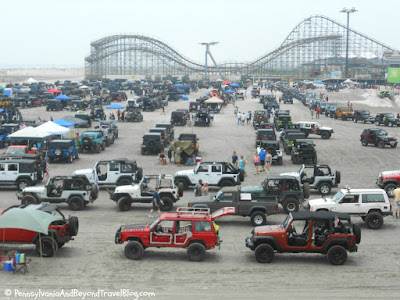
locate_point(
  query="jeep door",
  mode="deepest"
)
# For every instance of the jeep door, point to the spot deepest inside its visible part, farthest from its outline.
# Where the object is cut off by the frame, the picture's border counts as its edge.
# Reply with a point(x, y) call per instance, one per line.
point(182, 232)
point(3, 173)
point(350, 203)
point(12, 172)
point(224, 199)
point(113, 173)
point(162, 233)
point(203, 173)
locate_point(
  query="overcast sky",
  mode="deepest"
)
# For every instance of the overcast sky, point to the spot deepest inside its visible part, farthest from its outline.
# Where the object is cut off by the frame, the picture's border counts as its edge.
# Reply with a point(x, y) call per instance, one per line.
point(59, 32)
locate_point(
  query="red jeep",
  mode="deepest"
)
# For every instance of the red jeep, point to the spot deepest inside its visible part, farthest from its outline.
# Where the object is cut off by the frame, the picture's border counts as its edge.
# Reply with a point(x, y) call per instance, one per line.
point(389, 181)
point(190, 228)
point(320, 232)
point(20, 150)
point(60, 230)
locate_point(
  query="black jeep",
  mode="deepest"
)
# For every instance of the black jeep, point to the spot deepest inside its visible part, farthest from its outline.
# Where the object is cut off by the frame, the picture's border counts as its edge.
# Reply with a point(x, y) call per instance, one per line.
point(152, 143)
point(302, 150)
point(178, 118)
point(85, 117)
point(164, 134)
point(203, 118)
point(387, 119)
point(363, 116)
point(169, 127)
point(265, 134)
point(377, 137)
point(289, 138)
point(54, 105)
point(272, 147)
point(97, 112)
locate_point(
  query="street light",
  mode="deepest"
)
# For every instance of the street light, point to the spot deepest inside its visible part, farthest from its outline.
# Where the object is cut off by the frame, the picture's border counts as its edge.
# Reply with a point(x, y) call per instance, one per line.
point(348, 12)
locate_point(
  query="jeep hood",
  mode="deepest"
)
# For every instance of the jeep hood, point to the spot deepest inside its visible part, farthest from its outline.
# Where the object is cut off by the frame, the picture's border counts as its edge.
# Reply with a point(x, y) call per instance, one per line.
point(184, 173)
point(294, 174)
point(134, 227)
point(321, 202)
point(326, 128)
point(126, 189)
point(390, 173)
point(83, 172)
point(34, 189)
point(268, 229)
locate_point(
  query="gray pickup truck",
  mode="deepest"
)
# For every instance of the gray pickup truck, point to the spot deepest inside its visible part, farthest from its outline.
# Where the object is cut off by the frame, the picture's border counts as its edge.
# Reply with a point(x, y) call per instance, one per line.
point(248, 201)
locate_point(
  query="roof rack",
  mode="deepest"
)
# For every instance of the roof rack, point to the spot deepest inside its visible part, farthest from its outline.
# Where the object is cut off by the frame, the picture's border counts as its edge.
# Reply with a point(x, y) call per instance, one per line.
point(193, 210)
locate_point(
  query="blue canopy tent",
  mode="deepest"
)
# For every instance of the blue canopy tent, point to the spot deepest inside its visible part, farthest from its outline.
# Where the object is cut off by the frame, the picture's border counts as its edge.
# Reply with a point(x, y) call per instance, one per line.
point(229, 92)
point(184, 97)
point(64, 123)
point(115, 106)
point(62, 97)
point(319, 82)
point(234, 84)
point(178, 85)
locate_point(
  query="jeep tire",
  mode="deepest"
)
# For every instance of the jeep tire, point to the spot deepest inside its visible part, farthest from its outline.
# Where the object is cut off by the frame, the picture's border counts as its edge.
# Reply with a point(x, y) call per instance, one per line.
point(103, 146)
point(258, 218)
point(226, 182)
point(70, 159)
point(181, 188)
point(73, 226)
point(280, 161)
point(166, 203)
point(97, 148)
point(46, 246)
point(124, 204)
point(182, 183)
point(380, 144)
point(76, 203)
point(374, 220)
point(389, 189)
point(364, 141)
point(325, 135)
point(28, 199)
point(306, 190)
point(264, 253)
point(290, 205)
point(23, 183)
point(196, 252)
point(134, 250)
point(337, 255)
point(357, 232)
point(124, 181)
point(324, 188)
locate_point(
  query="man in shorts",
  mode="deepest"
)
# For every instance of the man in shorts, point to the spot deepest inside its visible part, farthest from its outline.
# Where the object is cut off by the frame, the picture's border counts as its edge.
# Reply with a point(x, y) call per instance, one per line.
point(396, 196)
point(262, 154)
point(156, 201)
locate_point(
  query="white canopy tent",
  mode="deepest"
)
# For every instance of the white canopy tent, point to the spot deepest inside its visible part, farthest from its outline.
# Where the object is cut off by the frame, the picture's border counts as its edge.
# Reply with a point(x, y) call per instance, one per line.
point(214, 100)
point(347, 81)
point(30, 133)
point(31, 80)
point(53, 128)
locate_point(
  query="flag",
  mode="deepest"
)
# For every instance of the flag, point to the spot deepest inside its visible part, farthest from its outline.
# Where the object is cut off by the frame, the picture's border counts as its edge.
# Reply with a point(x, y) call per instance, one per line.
point(47, 166)
point(336, 222)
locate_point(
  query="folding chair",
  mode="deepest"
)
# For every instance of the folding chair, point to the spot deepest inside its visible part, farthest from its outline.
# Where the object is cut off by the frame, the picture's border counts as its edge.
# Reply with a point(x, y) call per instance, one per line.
point(20, 266)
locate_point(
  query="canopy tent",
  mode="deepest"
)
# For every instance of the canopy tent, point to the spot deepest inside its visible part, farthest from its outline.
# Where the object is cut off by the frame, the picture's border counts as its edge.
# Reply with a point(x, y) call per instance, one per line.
point(76, 121)
point(178, 85)
point(30, 133)
point(53, 128)
point(64, 123)
point(229, 92)
point(31, 80)
point(234, 84)
point(319, 82)
point(83, 87)
point(115, 106)
point(53, 91)
point(226, 82)
point(348, 81)
point(184, 97)
point(219, 80)
point(62, 97)
point(214, 100)
point(28, 219)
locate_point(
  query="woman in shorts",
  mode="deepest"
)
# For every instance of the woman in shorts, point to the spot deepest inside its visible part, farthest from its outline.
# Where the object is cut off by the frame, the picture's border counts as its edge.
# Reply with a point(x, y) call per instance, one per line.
point(256, 161)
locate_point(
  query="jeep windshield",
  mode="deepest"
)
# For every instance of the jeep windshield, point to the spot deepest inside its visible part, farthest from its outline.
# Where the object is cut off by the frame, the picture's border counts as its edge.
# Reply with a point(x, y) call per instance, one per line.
point(17, 151)
point(154, 223)
point(287, 221)
point(389, 116)
point(337, 197)
point(381, 133)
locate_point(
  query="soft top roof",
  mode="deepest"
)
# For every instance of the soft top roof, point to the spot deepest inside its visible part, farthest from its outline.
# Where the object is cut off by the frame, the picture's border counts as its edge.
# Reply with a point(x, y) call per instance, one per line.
point(321, 215)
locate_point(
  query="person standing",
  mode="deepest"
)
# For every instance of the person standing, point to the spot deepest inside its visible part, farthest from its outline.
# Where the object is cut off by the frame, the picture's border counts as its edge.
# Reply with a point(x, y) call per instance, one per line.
point(242, 164)
point(262, 155)
point(235, 159)
point(268, 161)
point(243, 118)
point(156, 201)
point(119, 115)
point(239, 118)
point(396, 202)
point(317, 112)
point(256, 161)
point(312, 111)
point(169, 155)
point(248, 118)
point(178, 156)
point(205, 189)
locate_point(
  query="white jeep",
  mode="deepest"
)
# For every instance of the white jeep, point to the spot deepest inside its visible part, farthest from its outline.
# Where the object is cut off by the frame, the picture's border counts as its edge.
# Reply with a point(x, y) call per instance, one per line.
point(315, 128)
point(125, 195)
point(370, 204)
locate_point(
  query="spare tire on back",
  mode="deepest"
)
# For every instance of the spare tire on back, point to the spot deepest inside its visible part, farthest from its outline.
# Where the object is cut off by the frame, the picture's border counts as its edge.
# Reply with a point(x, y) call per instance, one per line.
point(241, 175)
point(86, 140)
point(94, 191)
point(73, 226)
point(306, 190)
point(272, 150)
point(357, 232)
point(337, 176)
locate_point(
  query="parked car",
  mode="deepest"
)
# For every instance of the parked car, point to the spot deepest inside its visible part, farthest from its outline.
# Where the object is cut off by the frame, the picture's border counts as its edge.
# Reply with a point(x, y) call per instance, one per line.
point(65, 150)
point(377, 137)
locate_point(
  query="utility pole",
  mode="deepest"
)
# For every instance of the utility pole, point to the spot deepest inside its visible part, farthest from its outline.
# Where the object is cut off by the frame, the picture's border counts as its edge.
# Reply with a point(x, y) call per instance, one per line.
point(212, 58)
point(348, 12)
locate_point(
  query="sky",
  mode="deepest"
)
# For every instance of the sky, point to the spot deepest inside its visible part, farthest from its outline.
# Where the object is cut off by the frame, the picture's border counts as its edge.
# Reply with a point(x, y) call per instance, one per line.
point(59, 32)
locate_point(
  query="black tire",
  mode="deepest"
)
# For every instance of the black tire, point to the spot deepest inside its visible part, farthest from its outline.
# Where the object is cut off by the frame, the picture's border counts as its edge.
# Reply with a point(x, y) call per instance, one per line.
point(280, 161)
point(241, 175)
point(108, 142)
point(73, 226)
point(354, 120)
point(258, 218)
point(124, 203)
point(338, 177)
point(315, 159)
point(324, 188)
point(226, 182)
point(28, 199)
point(97, 148)
point(103, 146)
point(181, 188)
point(46, 246)
point(381, 144)
point(390, 124)
point(290, 205)
point(344, 118)
point(306, 190)
point(166, 203)
point(124, 181)
point(23, 183)
point(325, 135)
point(364, 141)
point(196, 252)
point(357, 232)
point(94, 190)
point(272, 150)
point(70, 159)
point(389, 189)
point(183, 183)
point(337, 255)
point(76, 203)
point(394, 145)
point(364, 121)
point(264, 253)
point(374, 220)
point(134, 250)
point(377, 123)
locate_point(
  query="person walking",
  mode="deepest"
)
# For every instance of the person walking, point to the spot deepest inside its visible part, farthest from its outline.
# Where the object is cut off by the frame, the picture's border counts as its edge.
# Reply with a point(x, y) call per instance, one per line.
point(317, 112)
point(248, 118)
point(243, 118)
point(178, 156)
point(169, 155)
point(156, 201)
point(235, 159)
point(256, 161)
point(312, 112)
point(205, 189)
point(396, 202)
point(268, 161)
point(239, 117)
point(119, 115)
point(262, 154)
point(242, 164)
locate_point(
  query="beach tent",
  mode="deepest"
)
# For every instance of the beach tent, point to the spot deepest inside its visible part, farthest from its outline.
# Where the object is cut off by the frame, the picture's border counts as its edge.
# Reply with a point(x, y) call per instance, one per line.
point(62, 97)
point(64, 123)
point(53, 128)
point(229, 92)
point(30, 133)
point(53, 91)
point(115, 106)
point(84, 87)
point(319, 82)
point(31, 80)
point(78, 122)
point(234, 84)
point(226, 82)
point(214, 100)
point(347, 81)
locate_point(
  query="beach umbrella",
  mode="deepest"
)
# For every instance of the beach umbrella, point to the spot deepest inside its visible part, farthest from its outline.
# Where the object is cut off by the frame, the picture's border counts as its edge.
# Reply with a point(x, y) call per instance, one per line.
point(184, 97)
point(178, 85)
point(62, 97)
point(234, 84)
point(319, 82)
point(229, 92)
point(115, 106)
point(53, 91)
point(226, 82)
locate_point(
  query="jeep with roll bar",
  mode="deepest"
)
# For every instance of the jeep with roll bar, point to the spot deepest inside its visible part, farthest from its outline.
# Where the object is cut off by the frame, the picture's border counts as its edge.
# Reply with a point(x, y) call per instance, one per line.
point(126, 195)
point(265, 134)
point(60, 230)
point(290, 137)
point(318, 177)
point(152, 143)
point(164, 134)
point(281, 120)
point(170, 129)
point(74, 190)
point(302, 150)
point(387, 119)
point(259, 116)
point(187, 228)
point(315, 128)
point(369, 204)
point(178, 118)
point(112, 125)
point(273, 148)
point(92, 141)
point(329, 233)
point(120, 171)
